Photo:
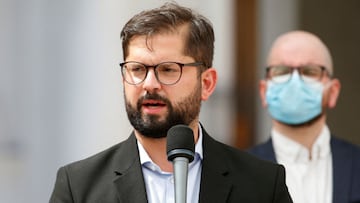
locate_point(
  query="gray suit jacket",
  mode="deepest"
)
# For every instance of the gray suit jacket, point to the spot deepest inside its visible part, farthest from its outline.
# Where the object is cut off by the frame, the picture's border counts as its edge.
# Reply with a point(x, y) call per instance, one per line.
point(115, 175)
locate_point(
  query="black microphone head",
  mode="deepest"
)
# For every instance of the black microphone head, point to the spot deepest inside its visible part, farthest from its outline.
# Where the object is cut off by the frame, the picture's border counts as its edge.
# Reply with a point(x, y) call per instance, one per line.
point(180, 142)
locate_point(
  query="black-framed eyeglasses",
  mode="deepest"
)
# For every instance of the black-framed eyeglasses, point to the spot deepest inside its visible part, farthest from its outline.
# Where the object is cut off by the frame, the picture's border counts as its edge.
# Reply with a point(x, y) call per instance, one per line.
point(308, 73)
point(167, 73)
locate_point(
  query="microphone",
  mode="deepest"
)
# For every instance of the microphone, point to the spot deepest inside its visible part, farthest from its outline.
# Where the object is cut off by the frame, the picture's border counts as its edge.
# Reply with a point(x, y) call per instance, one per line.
point(180, 150)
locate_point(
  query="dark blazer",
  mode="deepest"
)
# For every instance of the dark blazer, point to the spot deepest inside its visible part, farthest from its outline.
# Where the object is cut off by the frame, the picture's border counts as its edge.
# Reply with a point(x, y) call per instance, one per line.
point(346, 168)
point(115, 175)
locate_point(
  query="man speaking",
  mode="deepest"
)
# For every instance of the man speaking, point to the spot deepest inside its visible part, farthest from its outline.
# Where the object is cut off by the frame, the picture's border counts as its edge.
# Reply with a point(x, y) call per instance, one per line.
point(167, 72)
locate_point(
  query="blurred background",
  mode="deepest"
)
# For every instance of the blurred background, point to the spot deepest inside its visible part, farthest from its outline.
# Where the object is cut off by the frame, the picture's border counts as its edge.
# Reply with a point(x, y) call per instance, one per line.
point(60, 83)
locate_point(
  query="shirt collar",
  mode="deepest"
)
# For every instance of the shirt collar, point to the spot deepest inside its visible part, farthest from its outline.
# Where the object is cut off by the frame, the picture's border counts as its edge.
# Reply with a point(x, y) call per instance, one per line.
point(145, 159)
point(288, 150)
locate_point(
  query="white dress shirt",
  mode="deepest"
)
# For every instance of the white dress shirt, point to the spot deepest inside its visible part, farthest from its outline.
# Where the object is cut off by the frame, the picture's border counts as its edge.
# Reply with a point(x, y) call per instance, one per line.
point(160, 185)
point(309, 180)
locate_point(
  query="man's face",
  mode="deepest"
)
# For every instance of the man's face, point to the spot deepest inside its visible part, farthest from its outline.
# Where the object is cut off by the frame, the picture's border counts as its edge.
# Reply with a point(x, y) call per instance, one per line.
point(299, 50)
point(302, 50)
point(152, 107)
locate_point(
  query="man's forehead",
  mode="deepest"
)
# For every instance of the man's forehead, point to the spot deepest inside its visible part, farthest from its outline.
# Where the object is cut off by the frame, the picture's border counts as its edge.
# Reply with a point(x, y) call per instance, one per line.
point(300, 48)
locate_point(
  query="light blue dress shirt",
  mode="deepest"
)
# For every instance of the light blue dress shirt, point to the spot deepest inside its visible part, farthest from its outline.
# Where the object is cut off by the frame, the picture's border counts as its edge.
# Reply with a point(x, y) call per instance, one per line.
point(160, 185)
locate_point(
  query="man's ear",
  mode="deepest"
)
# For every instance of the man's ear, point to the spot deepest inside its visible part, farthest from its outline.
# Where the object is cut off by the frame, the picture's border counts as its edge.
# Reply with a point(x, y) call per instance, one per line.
point(208, 81)
point(262, 91)
point(333, 93)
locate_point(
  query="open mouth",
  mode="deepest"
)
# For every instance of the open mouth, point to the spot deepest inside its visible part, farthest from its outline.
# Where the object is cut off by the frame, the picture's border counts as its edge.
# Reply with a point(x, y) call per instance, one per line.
point(153, 103)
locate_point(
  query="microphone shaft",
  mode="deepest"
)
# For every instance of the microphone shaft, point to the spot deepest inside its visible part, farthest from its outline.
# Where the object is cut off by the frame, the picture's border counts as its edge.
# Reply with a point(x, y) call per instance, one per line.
point(180, 175)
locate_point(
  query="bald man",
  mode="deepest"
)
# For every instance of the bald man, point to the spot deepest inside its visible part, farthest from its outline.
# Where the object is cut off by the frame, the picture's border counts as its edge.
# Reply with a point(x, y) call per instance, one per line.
point(298, 90)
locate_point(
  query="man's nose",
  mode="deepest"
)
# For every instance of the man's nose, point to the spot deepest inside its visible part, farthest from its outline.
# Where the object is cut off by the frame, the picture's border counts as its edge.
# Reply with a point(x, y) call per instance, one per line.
point(151, 81)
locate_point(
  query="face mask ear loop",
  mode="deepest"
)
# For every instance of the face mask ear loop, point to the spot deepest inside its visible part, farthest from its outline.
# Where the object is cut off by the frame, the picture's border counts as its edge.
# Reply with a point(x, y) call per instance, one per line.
point(328, 84)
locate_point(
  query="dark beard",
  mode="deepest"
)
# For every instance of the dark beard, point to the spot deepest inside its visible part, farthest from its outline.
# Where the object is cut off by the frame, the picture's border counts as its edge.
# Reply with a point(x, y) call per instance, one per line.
point(183, 112)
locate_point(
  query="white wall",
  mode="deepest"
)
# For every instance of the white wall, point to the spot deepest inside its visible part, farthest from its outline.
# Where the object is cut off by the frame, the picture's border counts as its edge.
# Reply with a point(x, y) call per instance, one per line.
point(274, 18)
point(60, 85)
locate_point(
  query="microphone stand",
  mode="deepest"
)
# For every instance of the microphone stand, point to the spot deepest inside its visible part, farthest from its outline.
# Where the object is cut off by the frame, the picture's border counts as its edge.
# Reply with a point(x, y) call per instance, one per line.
point(181, 151)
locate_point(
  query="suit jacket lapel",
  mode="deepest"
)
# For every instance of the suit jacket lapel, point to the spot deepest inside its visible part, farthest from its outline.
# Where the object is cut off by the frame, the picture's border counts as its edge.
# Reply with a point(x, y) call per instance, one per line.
point(129, 181)
point(341, 171)
point(215, 186)
point(270, 151)
point(266, 151)
point(341, 167)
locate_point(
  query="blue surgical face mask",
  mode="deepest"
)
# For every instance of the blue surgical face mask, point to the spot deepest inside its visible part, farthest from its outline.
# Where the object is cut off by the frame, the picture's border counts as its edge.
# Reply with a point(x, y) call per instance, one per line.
point(294, 102)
